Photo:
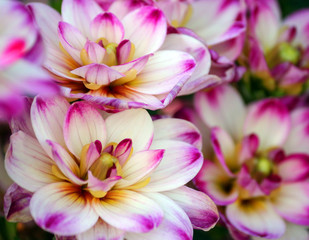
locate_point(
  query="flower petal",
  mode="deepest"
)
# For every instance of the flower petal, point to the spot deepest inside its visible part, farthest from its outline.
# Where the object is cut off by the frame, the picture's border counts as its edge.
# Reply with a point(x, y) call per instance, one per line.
point(27, 163)
point(16, 204)
point(102, 231)
point(146, 28)
point(134, 124)
point(46, 124)
point(201, 210)
point(66, 163)
point(294, 168)
point(123, 151)
point(224, 13)
point(224, 148)
point(80, 13)
point(222, 107)
point(137, 64)
point(292, 202)
point(96, 185)
point(72, 40)
point(256, 217)
point(163, 71)
point(94, 52)
point(270, 121)
point(97, 73)
point(197, 49)
point(61, 209)
point(138, 166)
point(129, 211)
point(181, 162)
point(292, 232)
point(177, 129)
point(248, 148)
point(265, 23)
point(106, 25)
point(83, 125)
point(299, 20)
point(175, 225)
point(201, 55)
point(47, 19)
point(23, 122)
point(298, 138)
point(213, 180)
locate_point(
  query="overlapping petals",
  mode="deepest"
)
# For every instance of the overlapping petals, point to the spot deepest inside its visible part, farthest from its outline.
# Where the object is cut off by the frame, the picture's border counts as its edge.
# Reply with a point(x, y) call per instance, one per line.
point(91, 176)
point(277, 48)
point(111, 60)
point(254, 171)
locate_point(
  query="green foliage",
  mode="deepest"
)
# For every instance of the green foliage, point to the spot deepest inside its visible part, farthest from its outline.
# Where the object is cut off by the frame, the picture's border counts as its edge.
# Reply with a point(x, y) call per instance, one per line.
point(56, 4)
point(217, 233)
point(8, 230)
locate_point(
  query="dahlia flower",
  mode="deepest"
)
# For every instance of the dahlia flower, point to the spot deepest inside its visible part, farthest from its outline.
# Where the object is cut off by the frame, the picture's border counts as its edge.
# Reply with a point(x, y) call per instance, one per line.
point(114, 62)
point(218, 24)
point(277, 50)
point(21, 54)
point(259, 168)
point(92, 177)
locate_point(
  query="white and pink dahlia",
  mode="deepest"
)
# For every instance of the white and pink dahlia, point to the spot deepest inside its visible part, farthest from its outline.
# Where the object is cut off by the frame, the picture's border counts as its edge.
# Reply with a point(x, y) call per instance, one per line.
point(114, 177)
point(21, 53)
point(259, 168)
point(115, 62)
point(278, 49)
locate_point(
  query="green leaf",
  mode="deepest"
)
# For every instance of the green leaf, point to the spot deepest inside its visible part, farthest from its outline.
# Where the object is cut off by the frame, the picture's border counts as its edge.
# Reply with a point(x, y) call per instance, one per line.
point(56, 4)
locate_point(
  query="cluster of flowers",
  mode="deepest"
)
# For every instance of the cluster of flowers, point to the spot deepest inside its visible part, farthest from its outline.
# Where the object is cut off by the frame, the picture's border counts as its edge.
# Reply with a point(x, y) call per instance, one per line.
point(89, 162)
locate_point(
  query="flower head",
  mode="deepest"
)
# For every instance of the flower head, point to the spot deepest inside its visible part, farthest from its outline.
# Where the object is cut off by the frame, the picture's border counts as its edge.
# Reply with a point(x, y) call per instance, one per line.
point(259, 168)
point(277, 50)
point(111, 61)
point(113, 177)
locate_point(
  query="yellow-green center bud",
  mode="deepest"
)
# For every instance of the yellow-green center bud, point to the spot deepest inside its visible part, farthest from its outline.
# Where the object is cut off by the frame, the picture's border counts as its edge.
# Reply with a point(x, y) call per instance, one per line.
point(264, 166)
point(288, 53)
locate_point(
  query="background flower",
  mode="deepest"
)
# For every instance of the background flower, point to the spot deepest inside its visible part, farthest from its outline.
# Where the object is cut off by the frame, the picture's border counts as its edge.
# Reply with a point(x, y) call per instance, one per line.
point(21, 53)
point(260, 164)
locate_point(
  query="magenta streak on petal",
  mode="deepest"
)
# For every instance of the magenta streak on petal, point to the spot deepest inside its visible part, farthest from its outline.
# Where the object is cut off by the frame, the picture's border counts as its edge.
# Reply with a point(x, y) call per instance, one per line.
point(276, 155)
point(194, 156)
point(155, 15)
point(52, 221)
point(274, 106)
point(123, 51)
point(189, 64)
point(190, 137)
point(147, 223)
point(98, 145)
point(13, 51)
point(213, 96)
point(227, 3)
point(205, 219)
point(217, 148)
